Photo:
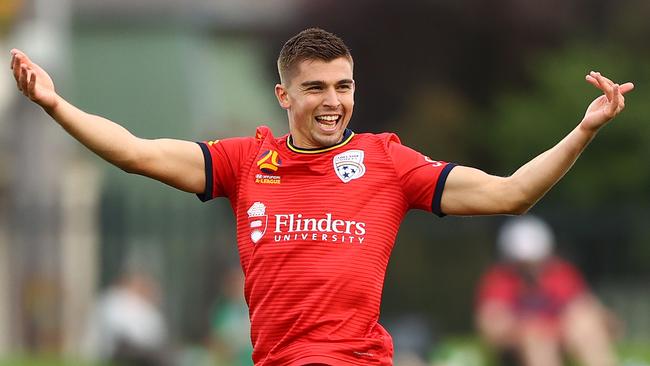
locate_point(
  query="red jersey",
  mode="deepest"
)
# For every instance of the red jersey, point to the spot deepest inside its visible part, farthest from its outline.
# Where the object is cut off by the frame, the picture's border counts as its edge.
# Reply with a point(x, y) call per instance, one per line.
point(545, 296)
point(315, 229)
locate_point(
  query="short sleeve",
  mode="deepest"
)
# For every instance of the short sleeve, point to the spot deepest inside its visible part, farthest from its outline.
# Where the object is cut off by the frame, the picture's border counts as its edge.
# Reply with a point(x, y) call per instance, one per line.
point(223, 161)
point(422, 178)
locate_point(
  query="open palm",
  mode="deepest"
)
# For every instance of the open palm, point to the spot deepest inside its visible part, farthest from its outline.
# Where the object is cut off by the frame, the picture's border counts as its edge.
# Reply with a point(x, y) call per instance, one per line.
point(606, 106)
point(32, 80)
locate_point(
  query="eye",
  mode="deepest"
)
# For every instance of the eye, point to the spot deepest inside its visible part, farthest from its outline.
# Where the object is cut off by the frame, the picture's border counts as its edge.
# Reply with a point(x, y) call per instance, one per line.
point(345, 87)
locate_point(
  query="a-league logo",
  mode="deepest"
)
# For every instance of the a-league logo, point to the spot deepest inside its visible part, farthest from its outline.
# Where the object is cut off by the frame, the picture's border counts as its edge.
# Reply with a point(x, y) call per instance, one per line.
point(257, 221)
point(349, 165)
point(269, 162)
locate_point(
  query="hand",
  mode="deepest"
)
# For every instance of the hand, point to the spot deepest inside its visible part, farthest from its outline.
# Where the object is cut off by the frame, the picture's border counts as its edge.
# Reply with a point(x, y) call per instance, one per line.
point(33, 81)
point(608, 105)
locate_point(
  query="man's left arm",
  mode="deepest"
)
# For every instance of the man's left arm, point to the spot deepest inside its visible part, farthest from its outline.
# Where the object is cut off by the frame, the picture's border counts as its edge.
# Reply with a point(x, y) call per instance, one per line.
point(470, 191)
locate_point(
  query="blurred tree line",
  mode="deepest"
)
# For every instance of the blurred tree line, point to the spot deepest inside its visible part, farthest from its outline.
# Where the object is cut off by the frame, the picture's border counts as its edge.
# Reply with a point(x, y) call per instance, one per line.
point(491, 85)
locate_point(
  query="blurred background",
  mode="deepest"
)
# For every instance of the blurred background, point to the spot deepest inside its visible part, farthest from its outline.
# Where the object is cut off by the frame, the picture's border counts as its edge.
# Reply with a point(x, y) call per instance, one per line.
point(483, 84)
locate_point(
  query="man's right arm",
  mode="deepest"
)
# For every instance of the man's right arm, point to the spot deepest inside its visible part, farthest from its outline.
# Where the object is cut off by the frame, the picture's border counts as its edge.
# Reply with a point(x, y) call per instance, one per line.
point(177, 163)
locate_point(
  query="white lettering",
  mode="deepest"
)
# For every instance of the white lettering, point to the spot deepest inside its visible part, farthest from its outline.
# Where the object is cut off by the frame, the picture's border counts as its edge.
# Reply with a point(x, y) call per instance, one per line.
point(327, 222)
point(296, 227)
point(310, 225)
point(361, 228)
point(279, 222)
point(336, 224)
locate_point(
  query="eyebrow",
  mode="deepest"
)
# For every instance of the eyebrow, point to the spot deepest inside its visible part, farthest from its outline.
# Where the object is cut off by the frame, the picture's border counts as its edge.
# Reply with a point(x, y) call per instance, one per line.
point(310, 83)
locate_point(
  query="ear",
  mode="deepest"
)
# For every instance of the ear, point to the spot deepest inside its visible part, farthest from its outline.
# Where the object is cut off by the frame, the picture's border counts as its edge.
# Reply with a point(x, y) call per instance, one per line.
point(282, 95)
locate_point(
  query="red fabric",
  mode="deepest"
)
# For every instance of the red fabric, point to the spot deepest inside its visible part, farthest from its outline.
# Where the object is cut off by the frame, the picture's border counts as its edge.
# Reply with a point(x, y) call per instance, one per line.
point(314, 277)
point(558, 283)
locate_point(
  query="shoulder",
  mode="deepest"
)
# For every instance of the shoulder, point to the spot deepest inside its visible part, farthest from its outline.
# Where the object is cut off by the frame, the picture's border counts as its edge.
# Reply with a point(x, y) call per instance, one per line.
point(561, 266)
point(262, 134)
point(500, 272)
point(384, 138)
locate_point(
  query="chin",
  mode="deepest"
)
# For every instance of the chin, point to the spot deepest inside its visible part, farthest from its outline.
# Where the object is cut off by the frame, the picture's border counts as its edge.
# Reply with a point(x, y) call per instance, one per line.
point(329, 140)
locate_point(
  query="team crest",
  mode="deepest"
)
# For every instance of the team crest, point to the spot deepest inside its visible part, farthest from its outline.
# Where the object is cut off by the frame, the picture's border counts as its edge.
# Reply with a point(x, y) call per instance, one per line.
point(349, 165)
point(257, 220)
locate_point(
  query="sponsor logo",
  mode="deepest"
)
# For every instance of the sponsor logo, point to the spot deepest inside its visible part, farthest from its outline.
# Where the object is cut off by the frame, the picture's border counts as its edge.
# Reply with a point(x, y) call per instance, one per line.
point(349, 165)
point(267, 179)
point(296, 227)
point(257, 220)
point(213, 142)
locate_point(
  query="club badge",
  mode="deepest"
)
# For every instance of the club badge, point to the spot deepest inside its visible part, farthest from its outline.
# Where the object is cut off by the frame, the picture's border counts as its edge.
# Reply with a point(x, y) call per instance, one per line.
point(349, 165)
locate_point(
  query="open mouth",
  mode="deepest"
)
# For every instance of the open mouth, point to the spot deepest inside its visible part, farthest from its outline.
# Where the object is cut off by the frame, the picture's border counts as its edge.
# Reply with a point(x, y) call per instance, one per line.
point(328, 122)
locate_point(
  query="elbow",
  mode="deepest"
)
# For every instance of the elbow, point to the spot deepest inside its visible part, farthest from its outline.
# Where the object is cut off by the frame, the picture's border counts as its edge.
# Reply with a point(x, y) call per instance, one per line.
point(519, 202)
point(515, 207)
point(131, 165)
point(521, 208)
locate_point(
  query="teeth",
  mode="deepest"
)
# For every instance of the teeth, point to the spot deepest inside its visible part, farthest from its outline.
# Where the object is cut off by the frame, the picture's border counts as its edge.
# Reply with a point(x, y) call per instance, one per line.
point(328, 118)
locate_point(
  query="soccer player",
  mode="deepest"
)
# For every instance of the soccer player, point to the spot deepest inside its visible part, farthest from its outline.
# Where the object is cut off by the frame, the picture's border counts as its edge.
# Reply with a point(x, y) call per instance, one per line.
point(318, 209)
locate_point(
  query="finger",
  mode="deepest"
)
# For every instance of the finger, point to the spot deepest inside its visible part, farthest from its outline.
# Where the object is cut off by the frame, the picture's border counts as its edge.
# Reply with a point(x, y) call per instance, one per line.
point(606, 86)
point(31, 86)
point(594, 75)
point(606, 79)
point(16, 67)
point(591, 80)
point(612, 106)
point(23, 79)
point(627, 87)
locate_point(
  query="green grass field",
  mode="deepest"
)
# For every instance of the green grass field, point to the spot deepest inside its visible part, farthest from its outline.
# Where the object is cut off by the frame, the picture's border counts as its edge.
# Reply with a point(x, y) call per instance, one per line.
point(467, 351)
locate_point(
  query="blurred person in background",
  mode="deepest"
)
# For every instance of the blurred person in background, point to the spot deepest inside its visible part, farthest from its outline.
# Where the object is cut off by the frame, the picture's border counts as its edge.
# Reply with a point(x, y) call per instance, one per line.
point(126, 326)
point(534, 307)
point(230, 326)
point(318, 209)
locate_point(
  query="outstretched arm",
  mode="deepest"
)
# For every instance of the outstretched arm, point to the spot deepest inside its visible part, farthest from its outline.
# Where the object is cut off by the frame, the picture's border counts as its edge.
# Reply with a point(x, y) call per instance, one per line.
point(470, 191)
point(174, 162)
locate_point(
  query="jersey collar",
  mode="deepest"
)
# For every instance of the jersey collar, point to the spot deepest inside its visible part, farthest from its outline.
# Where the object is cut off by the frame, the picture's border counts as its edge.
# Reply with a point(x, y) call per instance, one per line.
point(347, 136)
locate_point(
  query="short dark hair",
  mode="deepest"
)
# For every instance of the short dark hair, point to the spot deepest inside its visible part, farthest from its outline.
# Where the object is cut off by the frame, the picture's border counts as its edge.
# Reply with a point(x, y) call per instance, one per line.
point(310, 44)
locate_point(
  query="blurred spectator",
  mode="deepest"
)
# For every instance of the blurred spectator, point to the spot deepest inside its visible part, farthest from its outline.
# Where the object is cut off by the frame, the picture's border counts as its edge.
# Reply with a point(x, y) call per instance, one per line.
point(230, 333)
point(126, 326)
point(534, 308)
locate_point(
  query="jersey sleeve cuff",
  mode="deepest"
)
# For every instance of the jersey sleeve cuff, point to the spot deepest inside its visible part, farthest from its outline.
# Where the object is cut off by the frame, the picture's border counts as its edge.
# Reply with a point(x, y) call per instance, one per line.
point(208, 193)
point(440, 186)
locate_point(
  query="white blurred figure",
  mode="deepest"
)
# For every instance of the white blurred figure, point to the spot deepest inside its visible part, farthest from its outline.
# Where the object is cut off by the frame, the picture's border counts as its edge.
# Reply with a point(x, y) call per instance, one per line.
point(533, 306)
point(127, 327)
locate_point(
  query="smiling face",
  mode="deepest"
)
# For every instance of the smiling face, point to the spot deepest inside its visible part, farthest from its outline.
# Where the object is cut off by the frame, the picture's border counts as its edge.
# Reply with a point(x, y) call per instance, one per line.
point(319, 98)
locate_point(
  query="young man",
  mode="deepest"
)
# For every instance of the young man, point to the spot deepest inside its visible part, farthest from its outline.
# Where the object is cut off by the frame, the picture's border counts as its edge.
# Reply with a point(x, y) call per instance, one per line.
point(318, 209)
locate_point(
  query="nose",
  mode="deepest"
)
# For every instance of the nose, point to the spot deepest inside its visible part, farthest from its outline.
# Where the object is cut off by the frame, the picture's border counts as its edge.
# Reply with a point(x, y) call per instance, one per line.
point(331, 98)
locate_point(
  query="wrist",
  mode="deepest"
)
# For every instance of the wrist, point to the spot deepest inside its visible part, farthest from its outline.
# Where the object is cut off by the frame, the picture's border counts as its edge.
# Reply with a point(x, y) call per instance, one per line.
point(589, 128)
point(52, 107)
